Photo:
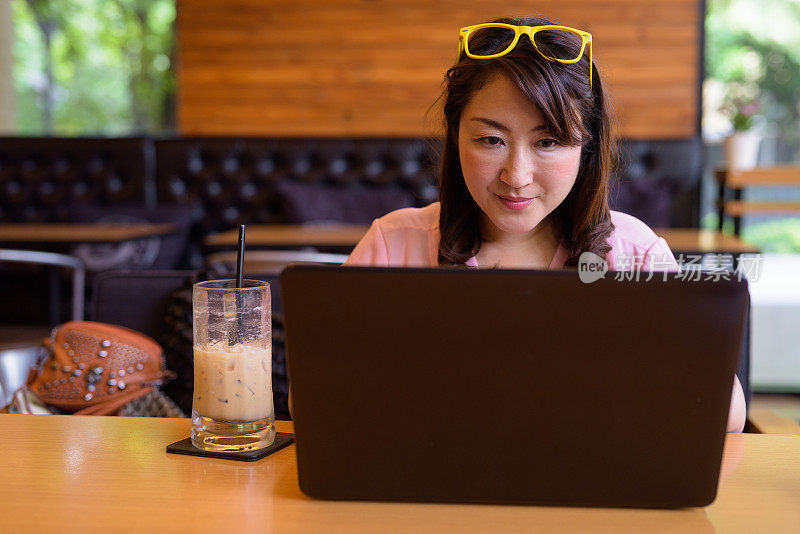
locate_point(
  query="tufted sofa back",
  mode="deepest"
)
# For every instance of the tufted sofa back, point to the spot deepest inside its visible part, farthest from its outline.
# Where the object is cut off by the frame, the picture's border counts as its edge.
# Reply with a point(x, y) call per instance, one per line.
point(41, 177)
point(263, 180)
point(259, 180)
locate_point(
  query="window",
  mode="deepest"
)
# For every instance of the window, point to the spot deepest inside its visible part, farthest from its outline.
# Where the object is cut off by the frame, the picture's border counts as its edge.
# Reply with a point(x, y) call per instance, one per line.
point(752, 60)
point(93, 67)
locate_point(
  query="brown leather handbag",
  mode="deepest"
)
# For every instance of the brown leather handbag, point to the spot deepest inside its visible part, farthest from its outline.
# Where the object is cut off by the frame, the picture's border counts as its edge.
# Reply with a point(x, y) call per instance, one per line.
point(97, 368)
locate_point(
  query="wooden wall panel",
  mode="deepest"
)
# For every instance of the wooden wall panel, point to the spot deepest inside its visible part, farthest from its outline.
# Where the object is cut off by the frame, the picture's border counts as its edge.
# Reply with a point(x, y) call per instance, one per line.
point(373, 67)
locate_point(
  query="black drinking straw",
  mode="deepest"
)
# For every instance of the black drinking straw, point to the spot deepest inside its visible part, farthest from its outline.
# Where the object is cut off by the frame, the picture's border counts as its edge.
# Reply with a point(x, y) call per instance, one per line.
point(240, 257)
point(239, 272)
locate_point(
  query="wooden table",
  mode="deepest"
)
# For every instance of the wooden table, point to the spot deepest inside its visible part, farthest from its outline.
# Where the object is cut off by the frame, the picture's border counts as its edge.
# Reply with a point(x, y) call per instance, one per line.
point(287, 235)
point(703, 241)
point(72, 233)
point(107, 474)
point(680, 240)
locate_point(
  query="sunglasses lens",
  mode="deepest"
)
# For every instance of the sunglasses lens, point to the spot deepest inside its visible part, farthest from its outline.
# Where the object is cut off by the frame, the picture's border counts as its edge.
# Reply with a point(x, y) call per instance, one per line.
point(558, 44)
point(489, 40)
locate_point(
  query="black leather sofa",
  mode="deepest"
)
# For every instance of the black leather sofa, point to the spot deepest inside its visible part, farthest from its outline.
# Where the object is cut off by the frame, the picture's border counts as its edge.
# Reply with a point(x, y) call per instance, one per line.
point(260, 180)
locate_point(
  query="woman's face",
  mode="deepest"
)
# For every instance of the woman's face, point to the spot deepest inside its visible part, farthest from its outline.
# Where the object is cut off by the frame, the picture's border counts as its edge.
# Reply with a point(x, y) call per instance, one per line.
point(513, 167)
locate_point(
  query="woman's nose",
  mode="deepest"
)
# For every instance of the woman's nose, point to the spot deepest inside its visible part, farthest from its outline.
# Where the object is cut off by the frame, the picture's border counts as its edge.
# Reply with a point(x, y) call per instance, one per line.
point(518, 169)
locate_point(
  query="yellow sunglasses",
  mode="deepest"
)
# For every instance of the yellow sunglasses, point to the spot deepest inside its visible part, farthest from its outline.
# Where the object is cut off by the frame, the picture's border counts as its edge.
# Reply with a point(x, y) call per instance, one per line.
point(498, 31)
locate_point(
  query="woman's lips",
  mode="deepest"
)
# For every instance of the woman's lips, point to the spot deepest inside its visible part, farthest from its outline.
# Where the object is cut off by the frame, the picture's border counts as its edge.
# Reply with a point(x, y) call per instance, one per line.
point(516, 203)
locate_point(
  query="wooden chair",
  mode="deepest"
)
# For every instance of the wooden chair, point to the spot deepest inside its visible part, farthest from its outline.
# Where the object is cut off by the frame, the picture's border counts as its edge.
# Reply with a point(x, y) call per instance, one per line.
point(731, 183)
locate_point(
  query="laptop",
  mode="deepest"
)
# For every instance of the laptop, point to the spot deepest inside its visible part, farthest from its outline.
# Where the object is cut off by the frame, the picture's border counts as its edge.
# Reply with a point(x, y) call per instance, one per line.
point(506, 386)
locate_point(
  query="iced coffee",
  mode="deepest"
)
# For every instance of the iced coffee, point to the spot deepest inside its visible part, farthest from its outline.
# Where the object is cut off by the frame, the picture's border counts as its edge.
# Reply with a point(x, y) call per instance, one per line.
point(232, 408)
point(233, 383)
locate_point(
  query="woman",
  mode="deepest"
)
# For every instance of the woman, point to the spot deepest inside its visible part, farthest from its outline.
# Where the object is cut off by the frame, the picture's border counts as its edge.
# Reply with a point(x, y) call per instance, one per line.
point(527, 155)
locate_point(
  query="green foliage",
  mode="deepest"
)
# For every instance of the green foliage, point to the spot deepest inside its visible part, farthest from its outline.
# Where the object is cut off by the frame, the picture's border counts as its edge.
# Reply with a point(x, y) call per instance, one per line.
point(781, 236)
point(94, 66)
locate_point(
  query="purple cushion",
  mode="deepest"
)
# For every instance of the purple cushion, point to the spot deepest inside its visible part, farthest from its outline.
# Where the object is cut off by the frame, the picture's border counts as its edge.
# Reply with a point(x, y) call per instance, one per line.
point(305, 203)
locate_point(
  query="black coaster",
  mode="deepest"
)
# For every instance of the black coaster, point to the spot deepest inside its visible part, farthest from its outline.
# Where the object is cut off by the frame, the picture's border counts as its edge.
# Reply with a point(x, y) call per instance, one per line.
point(184, 446)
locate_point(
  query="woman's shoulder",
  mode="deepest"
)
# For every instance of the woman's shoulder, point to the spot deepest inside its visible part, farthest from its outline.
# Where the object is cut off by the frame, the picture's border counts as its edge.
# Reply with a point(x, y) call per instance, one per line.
point(634, 245)
point(631, 232)
point(407, 237)
point(422, 219)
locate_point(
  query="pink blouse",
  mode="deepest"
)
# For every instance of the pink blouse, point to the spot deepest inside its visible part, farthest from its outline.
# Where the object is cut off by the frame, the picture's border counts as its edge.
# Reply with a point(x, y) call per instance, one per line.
point(409, 237)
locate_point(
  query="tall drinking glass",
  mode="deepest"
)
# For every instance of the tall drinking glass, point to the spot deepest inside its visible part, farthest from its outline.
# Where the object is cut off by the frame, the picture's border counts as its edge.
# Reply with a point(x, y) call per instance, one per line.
point(232, 406)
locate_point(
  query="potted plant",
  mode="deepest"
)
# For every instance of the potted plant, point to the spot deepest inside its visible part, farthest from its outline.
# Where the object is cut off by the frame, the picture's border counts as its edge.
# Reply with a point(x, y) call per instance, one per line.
point(741, 147)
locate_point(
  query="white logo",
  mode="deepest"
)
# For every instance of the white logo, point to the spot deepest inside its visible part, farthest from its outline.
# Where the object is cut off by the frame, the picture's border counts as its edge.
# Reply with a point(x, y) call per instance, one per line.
point(591, 267)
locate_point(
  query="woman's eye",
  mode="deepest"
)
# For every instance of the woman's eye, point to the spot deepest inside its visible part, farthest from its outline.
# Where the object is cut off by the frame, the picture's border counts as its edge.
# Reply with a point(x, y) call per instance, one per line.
point(549, 143)
point(490, 140)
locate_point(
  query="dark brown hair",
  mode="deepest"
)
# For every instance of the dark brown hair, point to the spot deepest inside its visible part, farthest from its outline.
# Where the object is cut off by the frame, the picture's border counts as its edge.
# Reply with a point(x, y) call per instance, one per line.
point(575, 114)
